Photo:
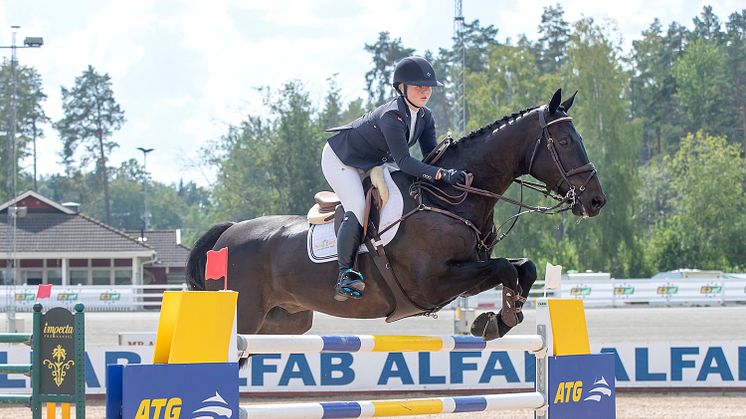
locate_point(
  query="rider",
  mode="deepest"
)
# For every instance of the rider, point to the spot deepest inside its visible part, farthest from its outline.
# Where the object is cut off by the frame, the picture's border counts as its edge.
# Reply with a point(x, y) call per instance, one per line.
point(381, 136)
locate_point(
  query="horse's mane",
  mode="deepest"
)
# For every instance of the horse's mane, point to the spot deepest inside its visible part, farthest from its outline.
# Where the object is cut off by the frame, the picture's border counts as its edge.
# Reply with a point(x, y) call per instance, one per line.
point(497, 124)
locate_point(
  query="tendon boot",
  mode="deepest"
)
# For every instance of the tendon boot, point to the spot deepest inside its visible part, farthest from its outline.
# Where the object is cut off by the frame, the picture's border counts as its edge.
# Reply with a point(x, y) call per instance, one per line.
point(350, 283)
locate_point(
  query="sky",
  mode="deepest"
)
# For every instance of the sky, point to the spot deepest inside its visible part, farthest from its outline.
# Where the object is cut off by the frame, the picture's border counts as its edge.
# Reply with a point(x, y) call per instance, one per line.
point(184, 71)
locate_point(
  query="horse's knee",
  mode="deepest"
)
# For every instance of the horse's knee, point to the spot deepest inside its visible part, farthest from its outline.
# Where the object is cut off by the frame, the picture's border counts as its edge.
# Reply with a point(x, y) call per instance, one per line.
point(506, 272)
point(526, 275)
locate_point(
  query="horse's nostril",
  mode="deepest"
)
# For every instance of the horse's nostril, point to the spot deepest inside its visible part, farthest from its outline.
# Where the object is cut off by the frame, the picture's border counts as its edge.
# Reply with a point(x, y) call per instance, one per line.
point(598, 202)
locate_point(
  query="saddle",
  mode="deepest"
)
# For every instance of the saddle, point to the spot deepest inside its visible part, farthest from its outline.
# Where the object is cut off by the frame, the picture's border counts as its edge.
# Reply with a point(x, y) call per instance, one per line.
point(329, 209)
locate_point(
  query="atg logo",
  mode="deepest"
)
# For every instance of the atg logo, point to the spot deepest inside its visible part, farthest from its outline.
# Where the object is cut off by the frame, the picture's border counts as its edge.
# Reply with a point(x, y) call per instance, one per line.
point(600, 388)
point(213, 407)
point(159, 409)
point(572, 392)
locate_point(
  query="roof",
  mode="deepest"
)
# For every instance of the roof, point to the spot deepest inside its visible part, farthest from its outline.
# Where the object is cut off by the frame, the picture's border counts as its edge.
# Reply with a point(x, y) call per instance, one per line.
point(49, 227)
point(167, 245)
point(35, 200)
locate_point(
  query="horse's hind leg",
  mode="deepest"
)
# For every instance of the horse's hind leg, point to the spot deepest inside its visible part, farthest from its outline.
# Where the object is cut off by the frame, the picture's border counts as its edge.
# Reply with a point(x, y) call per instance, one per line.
point(278, 321)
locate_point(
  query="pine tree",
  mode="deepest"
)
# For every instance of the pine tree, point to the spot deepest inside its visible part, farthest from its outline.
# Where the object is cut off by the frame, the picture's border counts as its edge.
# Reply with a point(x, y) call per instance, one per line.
point(92, 115)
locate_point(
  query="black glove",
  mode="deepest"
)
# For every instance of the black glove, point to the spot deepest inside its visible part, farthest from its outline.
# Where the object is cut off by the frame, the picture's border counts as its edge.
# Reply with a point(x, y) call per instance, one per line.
point(453, 176)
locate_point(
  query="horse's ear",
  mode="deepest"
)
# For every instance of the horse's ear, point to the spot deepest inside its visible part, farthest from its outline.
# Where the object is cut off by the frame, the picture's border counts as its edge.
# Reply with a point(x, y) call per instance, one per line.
point(555, 102)
point(566, 105)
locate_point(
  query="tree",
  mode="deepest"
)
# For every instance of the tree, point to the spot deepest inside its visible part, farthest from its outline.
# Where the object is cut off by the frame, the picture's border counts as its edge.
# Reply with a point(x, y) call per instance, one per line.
point(386, 53)
point(652, 91)
point(736, 61)
point(602, 117)
point(29, 116)
point(555, 33)
point(242, 189)
point(91, 118)
point(295, 151)
point(702, 78)
point(706, 226)
point(707, 27)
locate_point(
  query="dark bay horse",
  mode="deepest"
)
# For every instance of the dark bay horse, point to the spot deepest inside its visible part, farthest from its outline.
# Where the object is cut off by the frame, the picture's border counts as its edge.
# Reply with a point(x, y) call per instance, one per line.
point(435, 257)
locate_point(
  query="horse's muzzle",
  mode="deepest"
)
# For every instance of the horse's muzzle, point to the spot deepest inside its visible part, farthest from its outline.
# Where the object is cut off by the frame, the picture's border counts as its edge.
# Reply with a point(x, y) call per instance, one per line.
point(586, 207)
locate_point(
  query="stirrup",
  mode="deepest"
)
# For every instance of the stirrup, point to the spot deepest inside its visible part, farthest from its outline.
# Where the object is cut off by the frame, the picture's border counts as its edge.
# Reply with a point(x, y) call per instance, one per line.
point(349, 285)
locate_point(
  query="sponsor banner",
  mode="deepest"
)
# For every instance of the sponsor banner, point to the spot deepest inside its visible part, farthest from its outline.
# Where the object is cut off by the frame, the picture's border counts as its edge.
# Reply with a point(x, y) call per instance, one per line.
point(172, 390)
point(662, 365)
point(582, 386)
point(59, 369)
point(94, 298)
point(666, 291)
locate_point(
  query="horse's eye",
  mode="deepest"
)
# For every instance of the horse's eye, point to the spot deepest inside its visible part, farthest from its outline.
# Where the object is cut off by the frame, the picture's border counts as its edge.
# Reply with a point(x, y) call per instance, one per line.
point(564, 140)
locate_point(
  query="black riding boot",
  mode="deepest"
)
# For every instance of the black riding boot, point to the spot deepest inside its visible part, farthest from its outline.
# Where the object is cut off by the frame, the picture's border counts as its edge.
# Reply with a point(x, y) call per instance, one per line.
point(350, 282)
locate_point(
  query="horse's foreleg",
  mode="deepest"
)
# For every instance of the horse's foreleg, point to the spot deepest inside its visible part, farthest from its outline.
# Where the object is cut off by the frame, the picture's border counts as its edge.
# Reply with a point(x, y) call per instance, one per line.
point(475, 277)
point(491, 326)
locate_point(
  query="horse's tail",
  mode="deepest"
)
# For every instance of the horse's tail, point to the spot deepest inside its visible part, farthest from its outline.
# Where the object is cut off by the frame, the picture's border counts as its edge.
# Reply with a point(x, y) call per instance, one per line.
point(195, 269)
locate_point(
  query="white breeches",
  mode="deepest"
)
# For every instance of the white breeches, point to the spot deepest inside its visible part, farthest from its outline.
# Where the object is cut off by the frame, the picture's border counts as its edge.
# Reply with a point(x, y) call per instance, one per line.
point(345, 180)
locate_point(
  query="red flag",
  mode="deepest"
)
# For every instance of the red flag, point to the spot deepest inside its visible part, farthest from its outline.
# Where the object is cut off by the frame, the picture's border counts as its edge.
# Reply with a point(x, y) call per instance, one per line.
point(217, 265)
point(44, 291)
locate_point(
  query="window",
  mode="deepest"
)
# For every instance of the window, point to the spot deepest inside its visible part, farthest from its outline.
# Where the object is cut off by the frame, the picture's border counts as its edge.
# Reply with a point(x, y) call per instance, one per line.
point(79, 276)
point(101, 277)
point(32, 277)
point(54, 276)
point(123, 277)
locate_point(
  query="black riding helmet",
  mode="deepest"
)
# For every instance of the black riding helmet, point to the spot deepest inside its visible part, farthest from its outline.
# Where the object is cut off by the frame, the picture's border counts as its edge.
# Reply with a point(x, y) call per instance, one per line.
point(415, 70)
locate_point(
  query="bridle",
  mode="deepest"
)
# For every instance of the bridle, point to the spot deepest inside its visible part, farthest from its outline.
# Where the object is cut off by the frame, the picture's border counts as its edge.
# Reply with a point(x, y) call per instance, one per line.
point(589, 167)
point(489, 240)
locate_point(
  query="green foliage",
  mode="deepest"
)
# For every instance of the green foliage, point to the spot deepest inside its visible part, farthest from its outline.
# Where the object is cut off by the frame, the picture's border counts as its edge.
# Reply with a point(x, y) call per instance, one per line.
point(612, 142)
point(736, 61)
point(272, 166)
point(706, 226)
point(652, 90)
point(702, 78)
point(552, 46)
point(29, 116)
point(386, 53)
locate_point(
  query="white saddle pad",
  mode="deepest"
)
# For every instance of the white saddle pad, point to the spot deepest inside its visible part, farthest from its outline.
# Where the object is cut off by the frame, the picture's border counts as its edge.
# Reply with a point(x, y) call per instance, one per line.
point(322, 242)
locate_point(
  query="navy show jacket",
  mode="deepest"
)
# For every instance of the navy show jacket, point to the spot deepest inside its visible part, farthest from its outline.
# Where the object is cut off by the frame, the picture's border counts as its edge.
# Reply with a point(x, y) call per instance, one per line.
point(382, 135)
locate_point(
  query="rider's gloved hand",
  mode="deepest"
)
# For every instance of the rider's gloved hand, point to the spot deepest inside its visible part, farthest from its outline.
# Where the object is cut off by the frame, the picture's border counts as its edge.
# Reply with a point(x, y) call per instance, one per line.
point(453, 176)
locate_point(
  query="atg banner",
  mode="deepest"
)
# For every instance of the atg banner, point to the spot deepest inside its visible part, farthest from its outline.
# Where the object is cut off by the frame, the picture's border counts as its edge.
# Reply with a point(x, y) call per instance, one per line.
point(157, 391)
point(582, 386)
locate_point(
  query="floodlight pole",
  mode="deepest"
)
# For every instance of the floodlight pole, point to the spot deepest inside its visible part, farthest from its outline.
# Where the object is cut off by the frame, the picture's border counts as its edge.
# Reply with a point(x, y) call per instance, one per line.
point(11, 263)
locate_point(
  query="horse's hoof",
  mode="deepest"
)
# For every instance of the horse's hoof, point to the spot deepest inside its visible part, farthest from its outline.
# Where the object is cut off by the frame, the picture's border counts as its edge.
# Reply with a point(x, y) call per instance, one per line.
point(485, 326)
point(491, 326)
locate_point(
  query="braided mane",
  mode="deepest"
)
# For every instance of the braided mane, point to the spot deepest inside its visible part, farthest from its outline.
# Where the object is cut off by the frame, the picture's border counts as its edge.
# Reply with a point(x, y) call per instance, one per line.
point(497, 124)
